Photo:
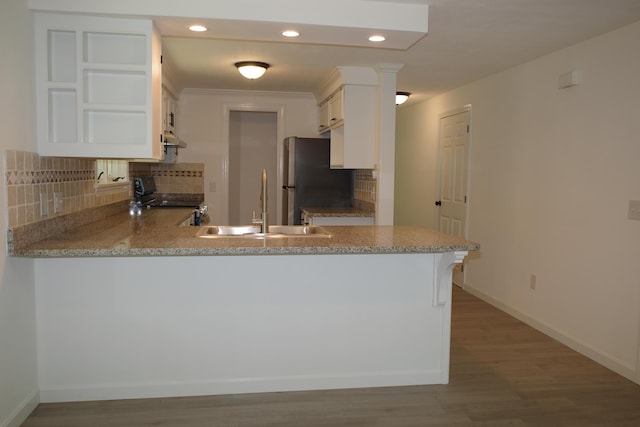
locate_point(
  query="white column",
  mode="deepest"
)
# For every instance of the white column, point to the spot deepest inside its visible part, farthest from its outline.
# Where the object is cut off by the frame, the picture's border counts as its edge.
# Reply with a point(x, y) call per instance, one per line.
point(386, 143)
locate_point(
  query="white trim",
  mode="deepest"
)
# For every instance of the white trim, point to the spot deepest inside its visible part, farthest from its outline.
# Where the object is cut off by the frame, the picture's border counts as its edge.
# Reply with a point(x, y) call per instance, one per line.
point(22, 411)
point(455, 111)
point(253, 93)
point(243, 385)
point(606, 360)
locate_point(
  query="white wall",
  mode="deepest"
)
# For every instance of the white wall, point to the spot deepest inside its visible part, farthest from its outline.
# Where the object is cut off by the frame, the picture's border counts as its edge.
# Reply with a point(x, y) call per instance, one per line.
point(203, 124)
point(18, 369)
point(551, 174)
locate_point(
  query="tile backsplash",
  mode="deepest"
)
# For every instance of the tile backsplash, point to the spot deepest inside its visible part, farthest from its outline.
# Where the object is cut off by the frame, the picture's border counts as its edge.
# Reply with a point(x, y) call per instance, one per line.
point(33, 181)
point(177, 178)
point(365, 189)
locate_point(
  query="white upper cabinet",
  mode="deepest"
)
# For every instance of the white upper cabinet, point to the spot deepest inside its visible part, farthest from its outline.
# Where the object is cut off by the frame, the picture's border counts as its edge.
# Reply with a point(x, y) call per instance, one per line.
point(323, 113)
point(349, 108)
point(98, 87)
point(169, 111)
point(353, 136)
point(336, 109)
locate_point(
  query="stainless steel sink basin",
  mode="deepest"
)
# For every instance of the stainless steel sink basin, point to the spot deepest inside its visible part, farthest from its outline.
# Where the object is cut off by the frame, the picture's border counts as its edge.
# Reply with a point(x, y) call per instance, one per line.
point(230, 230)
point(253, 231)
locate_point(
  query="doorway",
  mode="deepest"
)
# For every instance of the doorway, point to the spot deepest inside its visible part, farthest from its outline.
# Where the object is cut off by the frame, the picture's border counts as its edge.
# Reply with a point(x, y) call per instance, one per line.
point(453, 178)
point(253, 146)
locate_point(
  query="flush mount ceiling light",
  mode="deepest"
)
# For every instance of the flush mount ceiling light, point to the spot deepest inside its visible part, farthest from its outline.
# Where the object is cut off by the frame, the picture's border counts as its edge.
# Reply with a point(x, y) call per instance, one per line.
point(401, 97)
point(376, 38)
point(252, 69)
point(197, 28)
point(290, 33)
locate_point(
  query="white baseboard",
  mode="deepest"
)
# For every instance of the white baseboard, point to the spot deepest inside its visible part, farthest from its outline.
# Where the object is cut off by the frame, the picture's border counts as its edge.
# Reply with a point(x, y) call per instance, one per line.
point(22, 411)
point(238, 386)
point(604, 359)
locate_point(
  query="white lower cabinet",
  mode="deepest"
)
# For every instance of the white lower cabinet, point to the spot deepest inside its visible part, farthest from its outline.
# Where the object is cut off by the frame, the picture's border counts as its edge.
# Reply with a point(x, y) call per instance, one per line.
point(98, 87)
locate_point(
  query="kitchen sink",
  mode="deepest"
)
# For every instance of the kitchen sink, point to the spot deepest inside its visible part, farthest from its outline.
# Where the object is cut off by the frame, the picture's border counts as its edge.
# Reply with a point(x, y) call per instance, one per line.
point(253, 231)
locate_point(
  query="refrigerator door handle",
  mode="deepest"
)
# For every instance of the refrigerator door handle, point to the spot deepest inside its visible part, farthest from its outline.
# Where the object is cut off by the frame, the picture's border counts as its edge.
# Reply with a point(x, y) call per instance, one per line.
point(288, 187)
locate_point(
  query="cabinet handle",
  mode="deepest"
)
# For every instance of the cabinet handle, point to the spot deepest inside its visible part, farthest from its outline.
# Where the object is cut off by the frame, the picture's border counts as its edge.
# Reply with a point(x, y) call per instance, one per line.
point(333, 119)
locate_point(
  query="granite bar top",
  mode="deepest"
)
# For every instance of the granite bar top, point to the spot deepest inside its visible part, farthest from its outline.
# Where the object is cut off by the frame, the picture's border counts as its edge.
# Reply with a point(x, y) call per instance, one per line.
point(328, 212)
point(158, 233)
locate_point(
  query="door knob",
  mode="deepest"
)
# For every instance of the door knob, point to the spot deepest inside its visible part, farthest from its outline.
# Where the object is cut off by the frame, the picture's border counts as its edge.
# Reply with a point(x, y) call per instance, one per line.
point(438, 203)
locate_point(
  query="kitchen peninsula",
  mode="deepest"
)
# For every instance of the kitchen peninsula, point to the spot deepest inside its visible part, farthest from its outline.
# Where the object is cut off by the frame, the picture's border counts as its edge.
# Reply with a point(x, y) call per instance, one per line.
point(131, 307)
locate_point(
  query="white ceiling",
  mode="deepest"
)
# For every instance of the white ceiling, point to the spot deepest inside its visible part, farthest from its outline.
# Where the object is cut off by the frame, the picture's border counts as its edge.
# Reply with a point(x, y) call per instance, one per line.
point(466, 40)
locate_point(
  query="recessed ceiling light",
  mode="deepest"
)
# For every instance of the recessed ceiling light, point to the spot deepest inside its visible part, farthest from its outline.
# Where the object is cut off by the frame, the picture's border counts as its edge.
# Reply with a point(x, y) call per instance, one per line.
point(290, 33)
point(197, 28)
point(376, 38)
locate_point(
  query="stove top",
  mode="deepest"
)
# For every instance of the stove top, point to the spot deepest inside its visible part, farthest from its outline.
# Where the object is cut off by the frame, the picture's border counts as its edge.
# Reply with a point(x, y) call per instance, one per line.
point(176, 200)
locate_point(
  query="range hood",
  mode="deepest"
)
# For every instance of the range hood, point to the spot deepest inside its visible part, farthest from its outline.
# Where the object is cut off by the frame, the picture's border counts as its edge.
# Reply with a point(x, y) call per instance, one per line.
point(170, 140)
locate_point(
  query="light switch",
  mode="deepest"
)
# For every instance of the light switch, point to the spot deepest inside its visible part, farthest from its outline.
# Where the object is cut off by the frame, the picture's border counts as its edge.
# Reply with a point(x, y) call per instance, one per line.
point(634, 209)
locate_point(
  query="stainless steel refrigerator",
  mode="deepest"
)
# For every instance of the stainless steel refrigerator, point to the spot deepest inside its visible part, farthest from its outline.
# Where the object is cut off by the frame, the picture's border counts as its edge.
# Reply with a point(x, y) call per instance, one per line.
point(309, 182)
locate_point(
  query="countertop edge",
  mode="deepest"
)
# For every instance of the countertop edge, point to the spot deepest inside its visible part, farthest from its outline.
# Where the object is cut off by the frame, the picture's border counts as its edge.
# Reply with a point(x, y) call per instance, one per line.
point(177, 252)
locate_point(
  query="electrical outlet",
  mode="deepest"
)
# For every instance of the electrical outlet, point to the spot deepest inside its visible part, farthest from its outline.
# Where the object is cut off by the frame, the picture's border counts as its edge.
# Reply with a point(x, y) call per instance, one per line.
point(634, 209)
point(44, 204)
point(532, 282)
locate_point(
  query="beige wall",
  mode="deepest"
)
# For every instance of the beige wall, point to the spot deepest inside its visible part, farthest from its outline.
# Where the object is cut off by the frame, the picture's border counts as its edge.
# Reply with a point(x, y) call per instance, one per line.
point(552, 172)
point(18, 364)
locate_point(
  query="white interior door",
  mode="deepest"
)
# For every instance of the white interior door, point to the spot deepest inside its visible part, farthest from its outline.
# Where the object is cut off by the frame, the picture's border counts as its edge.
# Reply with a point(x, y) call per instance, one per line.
point(453, 179)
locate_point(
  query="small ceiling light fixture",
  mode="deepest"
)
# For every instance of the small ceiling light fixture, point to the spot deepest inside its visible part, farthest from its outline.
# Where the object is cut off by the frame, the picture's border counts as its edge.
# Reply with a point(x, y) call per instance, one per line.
point(376, 38)
point(252, 69)
point(401, 97)
point(290, 33)
point(197, 28)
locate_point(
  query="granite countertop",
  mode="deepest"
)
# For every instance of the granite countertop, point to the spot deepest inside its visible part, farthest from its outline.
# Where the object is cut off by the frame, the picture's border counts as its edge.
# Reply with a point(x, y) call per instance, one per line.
point(328, 212)
point(157, 233)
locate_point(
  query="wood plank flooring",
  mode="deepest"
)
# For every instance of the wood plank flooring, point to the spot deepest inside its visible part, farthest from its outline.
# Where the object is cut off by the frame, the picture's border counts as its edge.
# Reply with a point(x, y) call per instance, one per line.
point(503, 373)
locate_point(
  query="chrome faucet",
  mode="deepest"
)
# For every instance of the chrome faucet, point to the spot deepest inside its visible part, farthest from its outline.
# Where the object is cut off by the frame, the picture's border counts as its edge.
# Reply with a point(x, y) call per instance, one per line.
point(263, 220)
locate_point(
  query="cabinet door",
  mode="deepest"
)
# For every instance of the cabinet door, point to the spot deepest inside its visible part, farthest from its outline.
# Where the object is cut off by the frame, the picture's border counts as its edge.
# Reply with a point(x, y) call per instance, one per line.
point(165, 110)
point(336, 109)
point(171, 118)
point(170, 109)
point(323, 115)
point(353, 140)
point(96, 83)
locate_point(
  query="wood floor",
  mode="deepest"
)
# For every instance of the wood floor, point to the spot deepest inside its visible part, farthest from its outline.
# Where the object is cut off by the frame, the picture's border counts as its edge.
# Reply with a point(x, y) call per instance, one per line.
point(503, 373)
